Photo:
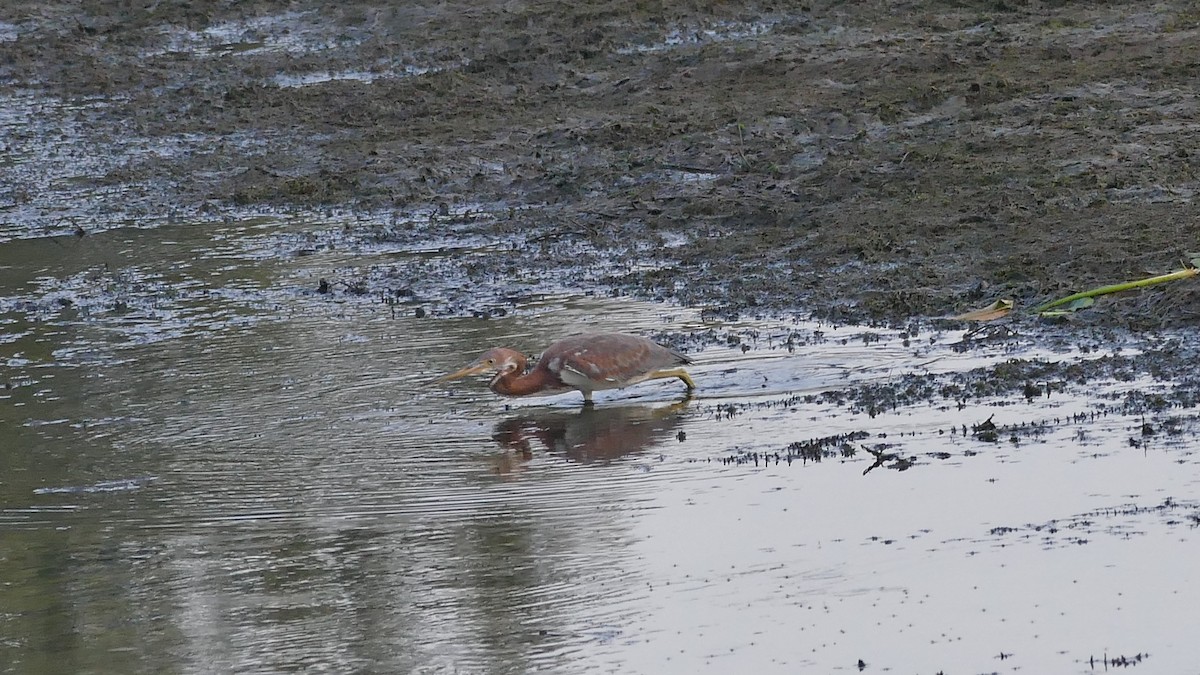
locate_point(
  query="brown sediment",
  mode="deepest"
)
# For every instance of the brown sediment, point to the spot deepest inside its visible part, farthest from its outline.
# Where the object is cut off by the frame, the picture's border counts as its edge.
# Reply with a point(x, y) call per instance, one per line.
point(845, 161)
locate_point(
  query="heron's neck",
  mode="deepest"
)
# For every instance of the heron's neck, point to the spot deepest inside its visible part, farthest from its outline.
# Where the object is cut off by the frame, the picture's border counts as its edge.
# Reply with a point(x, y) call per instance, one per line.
point(513, 383)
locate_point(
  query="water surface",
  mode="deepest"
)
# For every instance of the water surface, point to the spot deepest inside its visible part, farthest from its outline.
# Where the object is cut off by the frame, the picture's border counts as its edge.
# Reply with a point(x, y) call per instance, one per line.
point(208, 466)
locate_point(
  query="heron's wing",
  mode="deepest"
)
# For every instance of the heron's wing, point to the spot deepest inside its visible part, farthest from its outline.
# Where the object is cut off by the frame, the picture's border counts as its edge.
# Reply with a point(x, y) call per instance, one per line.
point(608, 360)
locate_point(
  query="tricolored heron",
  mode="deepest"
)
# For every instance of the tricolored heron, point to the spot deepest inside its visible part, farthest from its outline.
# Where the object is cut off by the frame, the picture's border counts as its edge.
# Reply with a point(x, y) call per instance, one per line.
point(584, 362)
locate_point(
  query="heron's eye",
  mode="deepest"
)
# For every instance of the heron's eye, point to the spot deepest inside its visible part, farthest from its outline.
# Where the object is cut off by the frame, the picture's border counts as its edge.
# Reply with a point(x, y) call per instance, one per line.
point(491, 362)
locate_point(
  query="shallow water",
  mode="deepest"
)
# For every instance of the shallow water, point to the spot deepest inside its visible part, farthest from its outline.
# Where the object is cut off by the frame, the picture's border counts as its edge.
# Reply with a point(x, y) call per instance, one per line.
point(209, 467)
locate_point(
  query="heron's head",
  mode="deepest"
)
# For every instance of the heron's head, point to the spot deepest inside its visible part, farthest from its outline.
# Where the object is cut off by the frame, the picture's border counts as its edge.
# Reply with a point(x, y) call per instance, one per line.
point(499, 360)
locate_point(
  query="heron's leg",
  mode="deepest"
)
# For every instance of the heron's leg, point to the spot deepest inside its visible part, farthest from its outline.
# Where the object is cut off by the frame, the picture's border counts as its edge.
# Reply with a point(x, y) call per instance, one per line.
point(687, 379)
point(674, 372)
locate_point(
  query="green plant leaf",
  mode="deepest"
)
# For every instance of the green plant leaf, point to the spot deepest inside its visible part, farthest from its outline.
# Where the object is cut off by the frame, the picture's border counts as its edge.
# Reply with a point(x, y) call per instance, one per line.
point(1117, 288)
point(1068, 309)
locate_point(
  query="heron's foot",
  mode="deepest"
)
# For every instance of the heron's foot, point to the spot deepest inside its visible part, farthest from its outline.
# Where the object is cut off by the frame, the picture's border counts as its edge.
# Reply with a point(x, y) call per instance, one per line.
point(674, 372)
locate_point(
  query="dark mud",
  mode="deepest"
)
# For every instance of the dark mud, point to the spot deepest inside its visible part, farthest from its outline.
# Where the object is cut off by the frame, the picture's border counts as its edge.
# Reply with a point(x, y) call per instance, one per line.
point(857, 163)
point(886, 165)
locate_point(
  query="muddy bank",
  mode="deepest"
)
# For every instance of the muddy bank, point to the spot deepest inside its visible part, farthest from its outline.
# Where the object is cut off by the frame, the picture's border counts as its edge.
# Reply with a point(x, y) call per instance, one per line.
point(854, 164)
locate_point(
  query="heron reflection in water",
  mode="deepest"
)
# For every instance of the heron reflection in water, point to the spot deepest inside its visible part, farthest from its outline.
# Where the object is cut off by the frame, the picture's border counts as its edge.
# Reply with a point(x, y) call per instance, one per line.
point(590, 435)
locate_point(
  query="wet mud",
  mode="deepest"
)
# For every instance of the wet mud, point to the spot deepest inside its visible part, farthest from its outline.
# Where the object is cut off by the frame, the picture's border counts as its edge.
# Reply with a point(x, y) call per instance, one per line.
point(844, 164)
point(857, 163)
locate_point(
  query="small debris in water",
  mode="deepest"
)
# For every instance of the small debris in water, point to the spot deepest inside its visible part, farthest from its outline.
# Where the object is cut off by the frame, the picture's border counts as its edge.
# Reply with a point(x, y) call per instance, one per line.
point(986, 431)
point(806, 451)
point(1117, 661)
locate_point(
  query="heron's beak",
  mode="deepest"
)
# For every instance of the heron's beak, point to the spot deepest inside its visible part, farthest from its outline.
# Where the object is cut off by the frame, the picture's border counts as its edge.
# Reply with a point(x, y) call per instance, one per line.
point(476, 368)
